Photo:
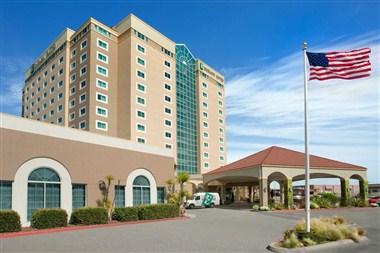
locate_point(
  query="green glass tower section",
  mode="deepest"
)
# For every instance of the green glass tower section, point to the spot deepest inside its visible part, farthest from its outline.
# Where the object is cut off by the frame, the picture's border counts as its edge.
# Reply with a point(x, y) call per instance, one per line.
point(187, 134)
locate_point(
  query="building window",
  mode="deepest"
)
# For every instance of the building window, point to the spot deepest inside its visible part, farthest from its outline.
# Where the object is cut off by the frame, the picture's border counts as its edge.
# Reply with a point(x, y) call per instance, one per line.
point(141, 191)
point(60, 84)
point(204, 94)
point(220, 94)
point(168, 99)
point(51, 101)
point(141, 61)
point(141, 74)
point(73, 53)
point(83, 57)
point(101, 84)
point(101, 125)
point(79, 195)
point(168, 135)
point(102, 44)
point(205, 124)
point(61, 60)
point(140, 140)
point(205, 165)
point(205, 144)
point(102, 31)
point(141, 87)
point(101, 70)
point(168, 123)
point(140, 100)
point(82, 84)
point(205, 134)
point(141, 114)
point(140, 127)
point(167, 75)
point(82, 98)
point(205, 154)
point(82, 124)
point(119, 196)
point(205, 105)
point(168, 110)
point(83, 71)
point(51, 91)
point(59, 120)
point(160, 195)
point(168, 87)
point(102, 57)
point(44, 190)
point(221, 149)
point(60, 96)
point(82, 111)
point(72, 116)
point(167, 64)
point(204, 85)
point(73, 77)
point(60, 72)
point(101, 98)
point(140, 49)
point(73, 65)
point(101, 111)
point(83, 44)
point(205, 114)
point(221, 158)
point(5, 195)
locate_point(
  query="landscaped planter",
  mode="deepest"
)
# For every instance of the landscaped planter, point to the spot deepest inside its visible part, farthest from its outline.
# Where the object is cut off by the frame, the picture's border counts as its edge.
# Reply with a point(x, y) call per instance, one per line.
point(327, 247)
point(325, 232)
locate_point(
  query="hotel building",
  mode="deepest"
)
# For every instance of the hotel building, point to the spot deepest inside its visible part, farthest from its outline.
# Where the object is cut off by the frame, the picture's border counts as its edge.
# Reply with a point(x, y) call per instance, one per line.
point(130, 81)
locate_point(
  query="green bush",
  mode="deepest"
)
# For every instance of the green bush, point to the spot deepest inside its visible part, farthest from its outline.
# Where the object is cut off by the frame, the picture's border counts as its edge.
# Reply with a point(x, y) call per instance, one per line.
point(126, 214)
point(357, 202)
point(9, 221)
point(313, 205)
point(322, 230)
point(89, 216)
point(276, 206)
point(158, 211)
point(49, 218)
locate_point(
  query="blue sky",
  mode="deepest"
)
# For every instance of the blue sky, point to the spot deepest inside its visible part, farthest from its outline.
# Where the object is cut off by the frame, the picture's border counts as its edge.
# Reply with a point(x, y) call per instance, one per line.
point(256, 44)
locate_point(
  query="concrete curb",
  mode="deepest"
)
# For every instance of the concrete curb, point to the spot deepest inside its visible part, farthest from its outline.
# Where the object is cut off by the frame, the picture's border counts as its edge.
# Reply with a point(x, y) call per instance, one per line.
point(274, 247)
point(84, 227)
point(324, 209)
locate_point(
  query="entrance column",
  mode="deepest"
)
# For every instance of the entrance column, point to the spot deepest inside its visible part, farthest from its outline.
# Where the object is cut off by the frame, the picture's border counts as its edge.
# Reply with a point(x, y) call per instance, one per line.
point(281, 192)
point(344, 191)
point(288, 193)
point(263, 182)
point(222, 194)
point(363, 187)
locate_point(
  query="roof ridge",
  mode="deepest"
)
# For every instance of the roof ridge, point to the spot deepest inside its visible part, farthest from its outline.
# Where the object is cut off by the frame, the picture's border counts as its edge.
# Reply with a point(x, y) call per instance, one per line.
point(270, 149)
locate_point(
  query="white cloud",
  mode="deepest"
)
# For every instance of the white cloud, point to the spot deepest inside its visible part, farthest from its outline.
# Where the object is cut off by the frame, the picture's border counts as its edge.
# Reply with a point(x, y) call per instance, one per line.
point(11, 83)
point(265, 108)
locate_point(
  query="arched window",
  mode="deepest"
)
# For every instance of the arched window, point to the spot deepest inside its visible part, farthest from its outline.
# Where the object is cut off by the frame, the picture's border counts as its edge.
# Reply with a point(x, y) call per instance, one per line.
point(141, 191)
point(44, 190)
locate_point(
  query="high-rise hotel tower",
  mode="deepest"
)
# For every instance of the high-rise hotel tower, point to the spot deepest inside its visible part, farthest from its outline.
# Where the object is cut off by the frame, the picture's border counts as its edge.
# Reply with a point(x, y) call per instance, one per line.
point(130, 81)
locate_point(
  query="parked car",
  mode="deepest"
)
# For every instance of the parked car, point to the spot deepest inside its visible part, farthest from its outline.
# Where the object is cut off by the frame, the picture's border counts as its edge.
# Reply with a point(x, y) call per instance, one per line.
point(203, 199)
point(374, 200)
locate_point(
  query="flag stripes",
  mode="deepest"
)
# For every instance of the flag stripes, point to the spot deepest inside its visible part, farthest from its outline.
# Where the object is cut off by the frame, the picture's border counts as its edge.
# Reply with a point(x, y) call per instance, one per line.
point(342, 65)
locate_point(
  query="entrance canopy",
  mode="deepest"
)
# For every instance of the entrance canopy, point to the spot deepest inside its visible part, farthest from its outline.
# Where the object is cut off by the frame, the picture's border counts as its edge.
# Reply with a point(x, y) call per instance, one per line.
point(281, 165)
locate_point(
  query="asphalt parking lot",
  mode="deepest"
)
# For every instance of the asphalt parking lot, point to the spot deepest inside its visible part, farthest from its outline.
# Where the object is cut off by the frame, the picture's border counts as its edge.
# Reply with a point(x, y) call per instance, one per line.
point(211, 230)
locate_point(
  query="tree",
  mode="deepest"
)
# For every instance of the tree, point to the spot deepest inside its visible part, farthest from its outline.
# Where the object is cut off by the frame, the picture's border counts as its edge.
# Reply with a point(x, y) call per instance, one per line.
point(182, 178)
point(105, 189)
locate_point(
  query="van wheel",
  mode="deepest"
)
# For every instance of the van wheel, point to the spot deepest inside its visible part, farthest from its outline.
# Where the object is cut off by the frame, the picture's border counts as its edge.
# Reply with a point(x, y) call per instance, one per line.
point(212, 205)
point(191, 206)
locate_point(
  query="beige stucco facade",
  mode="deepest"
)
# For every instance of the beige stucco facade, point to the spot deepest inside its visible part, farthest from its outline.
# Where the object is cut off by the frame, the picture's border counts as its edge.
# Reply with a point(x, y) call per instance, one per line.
point(120, 81)
point(85, 157)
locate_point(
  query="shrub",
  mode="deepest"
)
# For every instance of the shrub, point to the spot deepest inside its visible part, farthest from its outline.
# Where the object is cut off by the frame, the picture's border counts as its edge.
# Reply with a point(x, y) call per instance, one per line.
point(89, 216)
point(126, 214)
point(277, 206)
point(49, 218)
point(158, 211)
point(313, 205)
point(9, 221)
point(322, 230)
point(255, 208)
point(357, 202)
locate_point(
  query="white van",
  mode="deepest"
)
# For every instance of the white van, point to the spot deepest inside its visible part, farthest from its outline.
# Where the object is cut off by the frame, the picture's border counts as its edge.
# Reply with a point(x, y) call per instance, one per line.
point(203, 199)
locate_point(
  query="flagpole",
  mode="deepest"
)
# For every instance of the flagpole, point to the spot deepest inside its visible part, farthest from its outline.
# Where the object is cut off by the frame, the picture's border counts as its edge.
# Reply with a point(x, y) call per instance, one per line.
point(307, 161)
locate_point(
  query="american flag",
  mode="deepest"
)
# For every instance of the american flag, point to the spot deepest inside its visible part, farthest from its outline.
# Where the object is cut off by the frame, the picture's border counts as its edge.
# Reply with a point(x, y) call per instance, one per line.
point(342, 65)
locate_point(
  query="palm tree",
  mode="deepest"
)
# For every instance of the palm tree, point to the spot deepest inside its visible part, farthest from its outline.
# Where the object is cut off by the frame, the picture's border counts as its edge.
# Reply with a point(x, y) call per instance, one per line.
point(182, 178)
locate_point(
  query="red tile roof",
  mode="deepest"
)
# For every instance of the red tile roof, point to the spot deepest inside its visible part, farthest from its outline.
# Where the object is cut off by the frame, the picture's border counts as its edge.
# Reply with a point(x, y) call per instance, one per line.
point(277, 156)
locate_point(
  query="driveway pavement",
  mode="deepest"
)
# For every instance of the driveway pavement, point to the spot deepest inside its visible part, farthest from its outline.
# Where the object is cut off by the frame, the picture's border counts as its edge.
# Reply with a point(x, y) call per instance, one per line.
point(211, 230)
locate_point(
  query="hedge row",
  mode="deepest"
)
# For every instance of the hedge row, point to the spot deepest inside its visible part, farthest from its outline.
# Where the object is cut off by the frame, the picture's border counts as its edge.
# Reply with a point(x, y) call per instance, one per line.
point(50, 218)
point(147, 212)
point(9, 221)
point(89, 216)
